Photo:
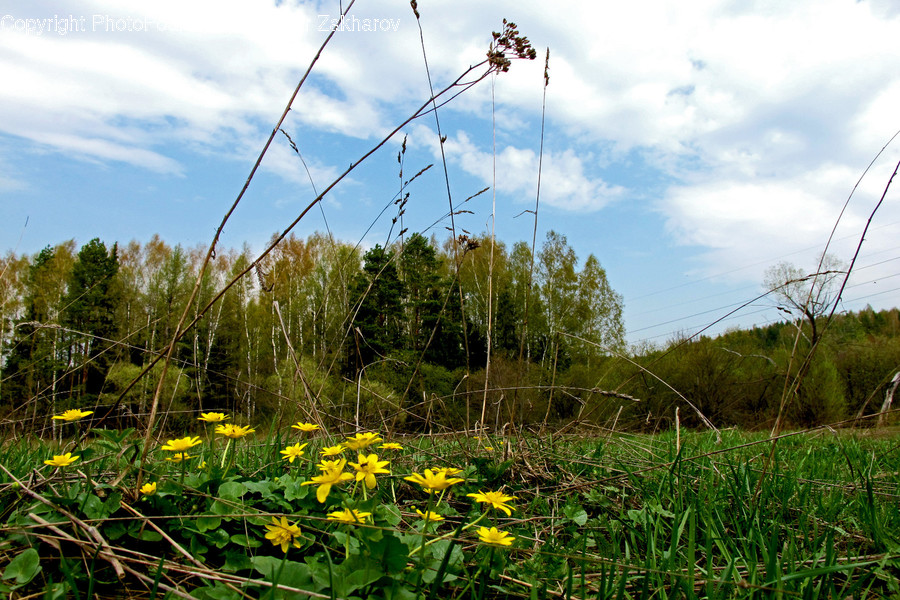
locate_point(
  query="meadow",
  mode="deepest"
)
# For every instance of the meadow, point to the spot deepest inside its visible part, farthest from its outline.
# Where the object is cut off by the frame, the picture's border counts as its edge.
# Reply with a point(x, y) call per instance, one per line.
point(393, 487)
point(301, 513)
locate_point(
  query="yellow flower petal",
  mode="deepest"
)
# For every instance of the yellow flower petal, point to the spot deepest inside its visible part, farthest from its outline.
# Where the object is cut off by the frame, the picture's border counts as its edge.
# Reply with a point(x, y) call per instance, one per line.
point(495, 537)
point(497, 500)
point(213, 417)
point(62, 460)
point(182, 445)
point(73, 414)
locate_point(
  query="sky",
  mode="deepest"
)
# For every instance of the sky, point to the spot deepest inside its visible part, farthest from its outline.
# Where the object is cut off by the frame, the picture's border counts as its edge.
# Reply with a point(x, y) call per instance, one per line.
point(689, 146)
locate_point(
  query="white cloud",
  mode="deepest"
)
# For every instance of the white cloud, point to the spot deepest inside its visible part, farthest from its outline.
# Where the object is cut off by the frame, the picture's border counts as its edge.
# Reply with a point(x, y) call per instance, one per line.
point(744, 224)
point(564, 182)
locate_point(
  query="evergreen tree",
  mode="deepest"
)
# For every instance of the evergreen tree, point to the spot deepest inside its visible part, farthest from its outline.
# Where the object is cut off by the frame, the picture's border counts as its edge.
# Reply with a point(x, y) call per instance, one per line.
point(378, 293)
point(420, 269)
point(90, 308)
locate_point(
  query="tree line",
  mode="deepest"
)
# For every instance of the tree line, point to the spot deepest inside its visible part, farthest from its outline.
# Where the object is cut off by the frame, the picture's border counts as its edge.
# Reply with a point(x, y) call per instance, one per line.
point(321, 327)
point(738, 378)
point(401, 334)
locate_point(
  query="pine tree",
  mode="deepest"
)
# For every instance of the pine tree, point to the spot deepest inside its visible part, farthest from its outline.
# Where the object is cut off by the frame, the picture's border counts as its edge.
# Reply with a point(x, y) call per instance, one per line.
point(90, 308)
point(378, 292)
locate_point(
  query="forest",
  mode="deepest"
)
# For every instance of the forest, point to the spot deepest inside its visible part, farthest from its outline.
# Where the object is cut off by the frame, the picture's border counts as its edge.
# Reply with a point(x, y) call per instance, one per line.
point(421, 334)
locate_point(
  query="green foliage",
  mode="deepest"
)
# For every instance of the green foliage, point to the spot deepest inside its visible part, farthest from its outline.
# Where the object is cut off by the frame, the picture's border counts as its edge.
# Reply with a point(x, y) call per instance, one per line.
point(612, 517)
point(385, 336)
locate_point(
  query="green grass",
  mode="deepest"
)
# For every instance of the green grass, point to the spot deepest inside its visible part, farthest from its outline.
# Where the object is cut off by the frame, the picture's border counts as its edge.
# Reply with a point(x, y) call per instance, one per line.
point(621, 516)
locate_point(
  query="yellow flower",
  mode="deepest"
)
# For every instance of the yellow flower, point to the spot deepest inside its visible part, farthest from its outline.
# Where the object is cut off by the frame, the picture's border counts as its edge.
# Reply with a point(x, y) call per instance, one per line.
point(234, 431)
point(292, 452)
point(148, 489)
point(368, 467)
point(178, 457)
point(349, 516)
point(73, 415)
point(362, 440)
point(180, 445)
point(391, 446)
point(213, 417)
point(495, 537)
point(497, 500)
point(448, 471)
point(429, 515)
point(329, 465)
point(305, 427)
point(282, 534)
point(328, 478)
point(332, 450)
point(489, 448)
point(62, 460)
point(433, 481)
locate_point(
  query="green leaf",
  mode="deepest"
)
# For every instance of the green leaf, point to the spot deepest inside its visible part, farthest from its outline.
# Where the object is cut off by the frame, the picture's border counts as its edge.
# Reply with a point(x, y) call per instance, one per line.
point(218, 537)
point(247, 542)
point(389, 513)
point(398, 591)
point(293, 490)
point(439, 550)
point(56, 591)
point(263, 487)
point(430, 572)
point(147, 535)
point(576, 513)
point(319, 571)
point(359, 577)
point(292, 574)
point(236, 560)
point(92, 506)
point(112, 503)
point(114, 530)
point(221, 508)
point(23, 567)
point(197, 547)
point(232, 490)
point(207, 523)
point(216, 591)
point(391, 553)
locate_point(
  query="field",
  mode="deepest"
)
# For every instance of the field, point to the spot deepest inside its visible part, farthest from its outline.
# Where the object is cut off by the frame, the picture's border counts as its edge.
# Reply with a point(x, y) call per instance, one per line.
point(568, 495)
point(594, 515)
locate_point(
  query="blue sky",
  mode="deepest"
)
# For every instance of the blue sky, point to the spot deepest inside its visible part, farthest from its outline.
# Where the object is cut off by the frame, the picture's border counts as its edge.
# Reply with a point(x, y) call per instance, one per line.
point(689, 146)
